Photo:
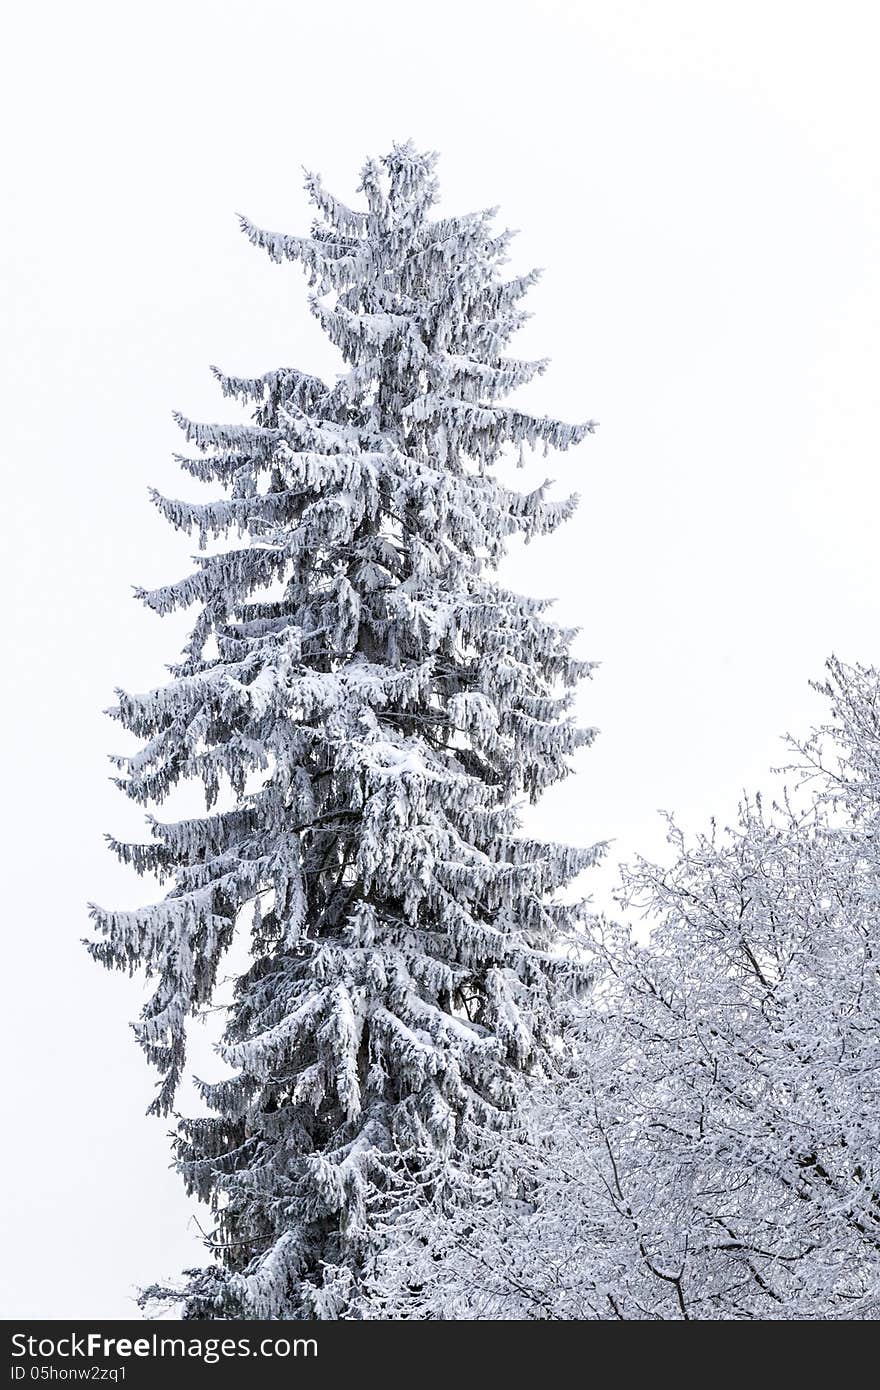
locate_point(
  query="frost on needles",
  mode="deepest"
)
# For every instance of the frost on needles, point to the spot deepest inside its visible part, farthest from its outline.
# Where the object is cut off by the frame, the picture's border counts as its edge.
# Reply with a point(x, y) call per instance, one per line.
point(366, 708)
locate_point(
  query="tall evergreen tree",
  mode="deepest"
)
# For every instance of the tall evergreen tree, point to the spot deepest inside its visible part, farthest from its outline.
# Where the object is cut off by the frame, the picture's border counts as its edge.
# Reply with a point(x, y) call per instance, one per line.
point(365, 706)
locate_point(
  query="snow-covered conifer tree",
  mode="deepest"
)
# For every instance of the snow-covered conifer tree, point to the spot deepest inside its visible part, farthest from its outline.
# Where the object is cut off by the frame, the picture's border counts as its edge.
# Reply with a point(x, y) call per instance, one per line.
point(365, 705)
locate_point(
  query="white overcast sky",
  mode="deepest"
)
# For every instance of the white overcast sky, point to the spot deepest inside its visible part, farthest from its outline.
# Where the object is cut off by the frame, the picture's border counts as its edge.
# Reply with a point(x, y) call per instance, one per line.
point(700, 180)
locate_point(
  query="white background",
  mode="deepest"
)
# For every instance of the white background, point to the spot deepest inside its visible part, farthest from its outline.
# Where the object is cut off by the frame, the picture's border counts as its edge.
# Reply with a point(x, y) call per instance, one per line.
point(700, 181)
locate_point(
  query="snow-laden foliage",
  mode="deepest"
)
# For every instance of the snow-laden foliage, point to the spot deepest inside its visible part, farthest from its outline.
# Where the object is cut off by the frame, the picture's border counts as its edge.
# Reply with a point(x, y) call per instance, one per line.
point(365, 706)
point(714, 1151)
